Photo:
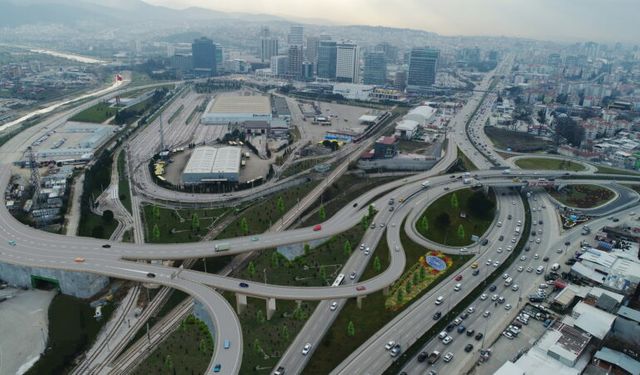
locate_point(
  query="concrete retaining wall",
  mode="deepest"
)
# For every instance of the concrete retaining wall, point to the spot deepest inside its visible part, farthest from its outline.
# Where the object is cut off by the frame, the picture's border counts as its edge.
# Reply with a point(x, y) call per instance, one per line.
point(77, 284)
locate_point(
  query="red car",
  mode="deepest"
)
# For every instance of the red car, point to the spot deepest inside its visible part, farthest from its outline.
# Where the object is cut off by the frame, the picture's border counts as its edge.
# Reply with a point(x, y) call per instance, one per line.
point(360, 288)
point(459, 277)
point(317, 227)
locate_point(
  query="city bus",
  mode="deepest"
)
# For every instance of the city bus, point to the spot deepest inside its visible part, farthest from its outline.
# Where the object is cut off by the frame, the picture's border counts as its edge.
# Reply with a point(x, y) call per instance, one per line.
point(338, 280)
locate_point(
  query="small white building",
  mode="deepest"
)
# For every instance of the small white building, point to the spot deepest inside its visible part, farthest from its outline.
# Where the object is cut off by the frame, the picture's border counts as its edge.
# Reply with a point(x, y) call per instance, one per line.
point(421, 114)
point(406, 129)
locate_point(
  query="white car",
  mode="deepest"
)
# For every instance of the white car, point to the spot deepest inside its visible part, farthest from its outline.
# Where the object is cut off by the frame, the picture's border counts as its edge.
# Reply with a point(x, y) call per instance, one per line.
point(442, 335)
point(334, 306)
point(523, 258)
point(529, 269)
point(507, 306)
point(515, 287)
point(488, 262)
point(538, 240)
point(499, 224)
point(306, 348)
point(494, 297)
point(520, 269)
point(390, 345)
point(483, 297)
point(499, 250)
point(366, 252)
point(486, 314)
point(536, 256)
point(496, 263)
point(505, 276)
point(471, 310)
point(447, 340)
point(448, 357)
point(457, 287)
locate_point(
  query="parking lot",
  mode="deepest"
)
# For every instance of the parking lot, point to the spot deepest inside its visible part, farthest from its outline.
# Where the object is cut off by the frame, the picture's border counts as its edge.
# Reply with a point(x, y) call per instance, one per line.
point(341, 116)
point(505, 349)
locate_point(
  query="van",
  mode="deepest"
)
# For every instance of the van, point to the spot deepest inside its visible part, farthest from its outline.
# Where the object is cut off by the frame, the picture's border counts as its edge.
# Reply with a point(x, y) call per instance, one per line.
point(439, 300)
point(457, 287)
point(539, 270)
point(508, 281)
point(555, 267)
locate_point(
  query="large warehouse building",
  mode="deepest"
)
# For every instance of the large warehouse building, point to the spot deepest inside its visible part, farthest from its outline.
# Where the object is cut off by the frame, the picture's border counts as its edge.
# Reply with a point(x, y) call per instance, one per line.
point(211, 164)
point(236, 109)
point(74, 141)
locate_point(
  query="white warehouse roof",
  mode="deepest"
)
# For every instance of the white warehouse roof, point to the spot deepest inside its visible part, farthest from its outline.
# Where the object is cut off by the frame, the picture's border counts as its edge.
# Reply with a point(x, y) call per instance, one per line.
point(408, 125)
point(421, 113)
point(255, 104)
point(214, 160)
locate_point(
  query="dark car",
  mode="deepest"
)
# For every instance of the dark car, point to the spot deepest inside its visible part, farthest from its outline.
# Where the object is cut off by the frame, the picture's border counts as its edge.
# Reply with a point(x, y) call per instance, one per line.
point(422, 356)
point(493, 288)
point(450, 328)
point(151, 275)
point(468, 348)
point(106, 246)
point(471, 332)
point(355, 204)
point(464, 316)
point(500, 238)
point(540, 222)
point(437, 315)
point(458, 278)
point(485, 242)
point(244, 285)
point(527, 248)
point(479, 336)
point(217, 368)
point(545, 259)
point(461, 328)
point(475, 272)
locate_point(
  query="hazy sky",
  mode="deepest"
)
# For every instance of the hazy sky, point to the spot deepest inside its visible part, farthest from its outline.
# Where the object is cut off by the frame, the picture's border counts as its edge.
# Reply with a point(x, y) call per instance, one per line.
point(566, 20)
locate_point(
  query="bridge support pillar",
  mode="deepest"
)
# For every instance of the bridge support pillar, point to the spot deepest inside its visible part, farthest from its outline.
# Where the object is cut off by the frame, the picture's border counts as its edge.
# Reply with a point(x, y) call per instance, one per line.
point(241, 303)
point(299, 303)
point(271, 307)
point(385, 291)
point(359, 301)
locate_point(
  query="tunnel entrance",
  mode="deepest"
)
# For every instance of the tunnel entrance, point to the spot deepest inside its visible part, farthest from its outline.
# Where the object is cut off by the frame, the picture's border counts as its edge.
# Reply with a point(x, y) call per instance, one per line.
point(44, 283)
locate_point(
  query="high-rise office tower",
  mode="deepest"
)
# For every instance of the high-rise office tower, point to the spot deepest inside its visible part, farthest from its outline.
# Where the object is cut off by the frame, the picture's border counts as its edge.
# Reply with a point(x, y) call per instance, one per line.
point(347, 62)
point(204, 56)
point(279, 65)
point(375, 68)
point(390, 51)
point(296, 57)
point(219, 56)
point(400, 80)
point(423, 63)
point(313, 42)
point(268, 45)
point(268, 48)
point(327, 51)
point(296, 35)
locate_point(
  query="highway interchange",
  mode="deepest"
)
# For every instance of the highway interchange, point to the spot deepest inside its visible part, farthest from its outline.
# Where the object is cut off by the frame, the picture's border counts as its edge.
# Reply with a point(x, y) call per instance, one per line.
point(41, 249)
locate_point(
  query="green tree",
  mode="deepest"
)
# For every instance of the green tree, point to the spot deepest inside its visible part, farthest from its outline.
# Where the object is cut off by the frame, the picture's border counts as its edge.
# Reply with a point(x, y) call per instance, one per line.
point(408, 286)
point(107, 216)
point(347, 248)
point(416, 278)
point(364, 222)
point(323, 273)
point(168, 362)
point(256, 346)
point(155, 232)
point(195, 222)
point(307, 249)
point(372, 211)
point(423, 273)
point(285, 332)
point(280, 205)
point(460, 232)
point(251, 268)
point(351, 329)
point(377, 264)
point(424, 224)
point(156, 212)
point(275, 259)
point(260, 316)
point(322, 214)
point(244, 225)
point(454, 200)
point(400, 296)
point(203, 346)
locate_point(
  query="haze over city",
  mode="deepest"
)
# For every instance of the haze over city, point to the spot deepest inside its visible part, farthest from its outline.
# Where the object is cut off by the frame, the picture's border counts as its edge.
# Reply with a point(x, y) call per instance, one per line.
point(564, 20)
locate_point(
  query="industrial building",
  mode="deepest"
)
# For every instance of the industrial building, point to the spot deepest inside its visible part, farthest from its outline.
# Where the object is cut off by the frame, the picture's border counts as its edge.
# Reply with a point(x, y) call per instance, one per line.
point(211, 164)
point(74, 142)
point(236, 109)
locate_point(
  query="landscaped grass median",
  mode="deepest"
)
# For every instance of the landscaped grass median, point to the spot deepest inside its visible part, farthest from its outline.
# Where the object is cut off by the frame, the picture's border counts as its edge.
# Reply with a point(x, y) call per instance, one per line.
point(410, 352)
point(453, 218)
point(338, 344)
point(98, 113)
point(123, 183)
point(188, 350)
point(609, 170)
point(549, 164)
point(582, 196)
point(163, 225)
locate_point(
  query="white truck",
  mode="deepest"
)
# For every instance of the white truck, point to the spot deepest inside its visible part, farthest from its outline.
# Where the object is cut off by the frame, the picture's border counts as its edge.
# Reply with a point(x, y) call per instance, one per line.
point(426, 184)
point(467, 181)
